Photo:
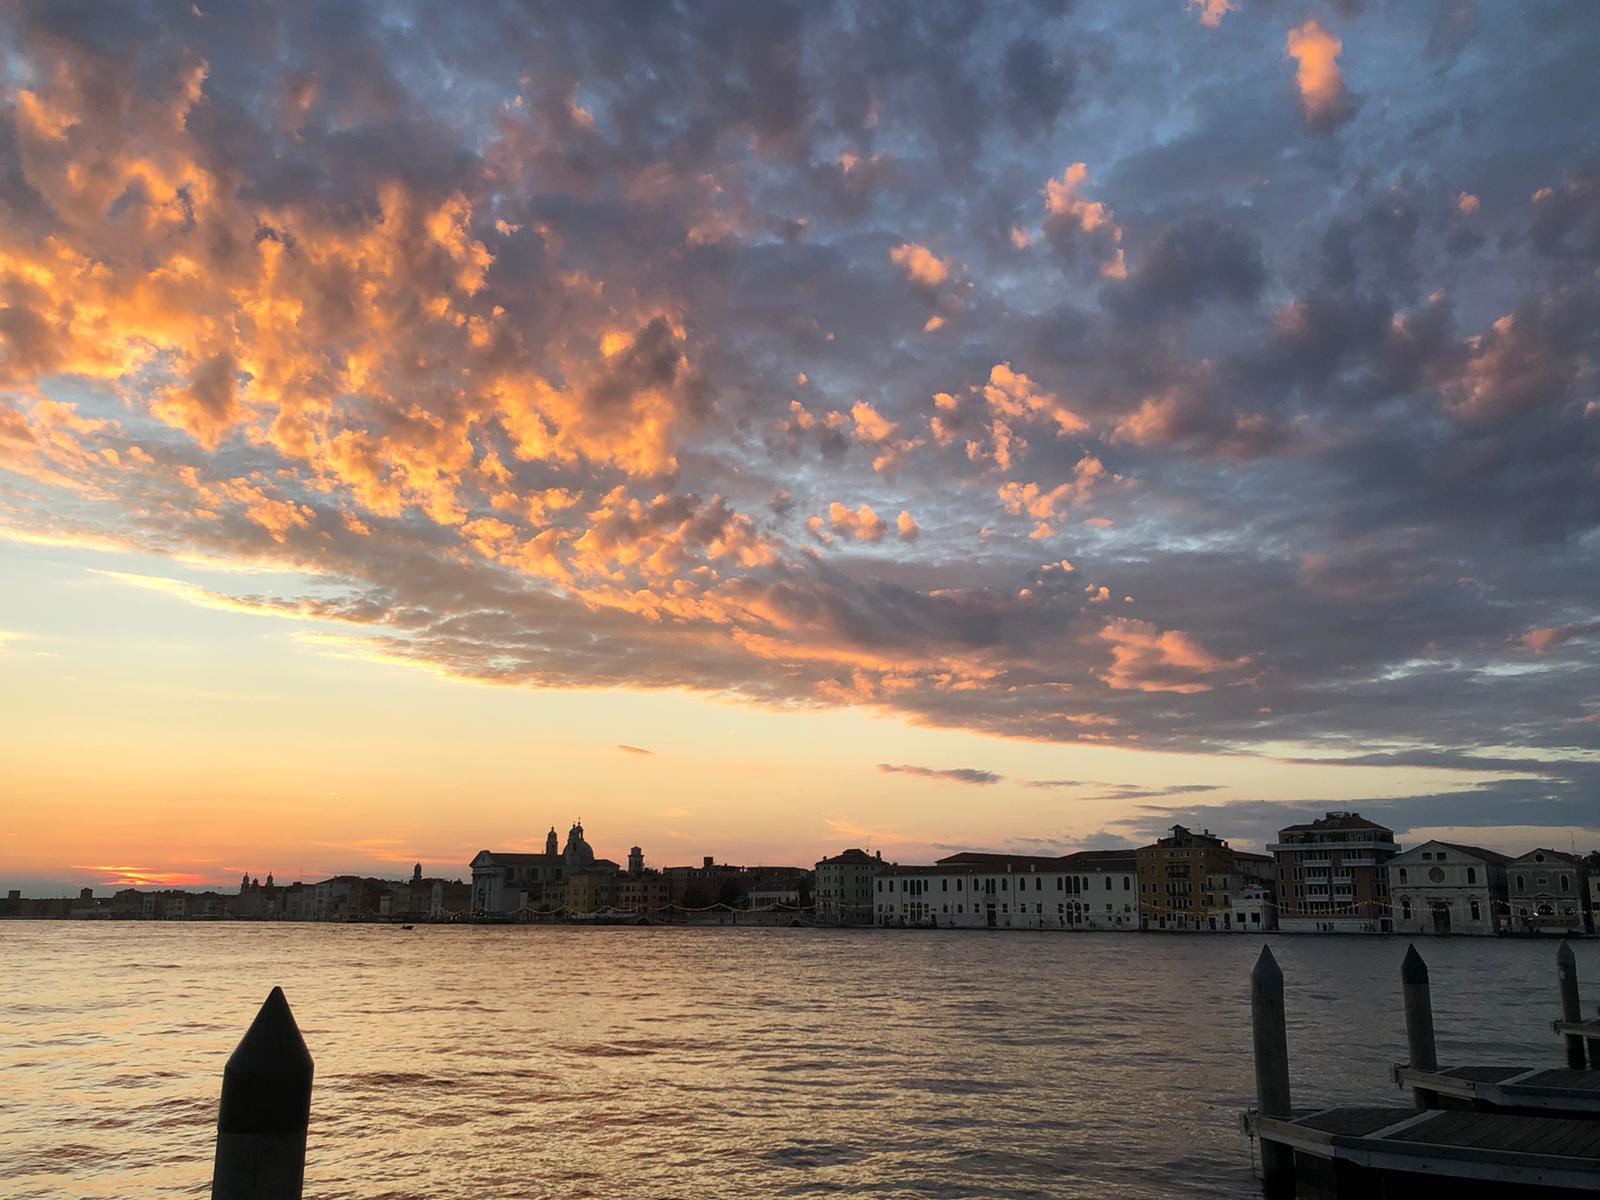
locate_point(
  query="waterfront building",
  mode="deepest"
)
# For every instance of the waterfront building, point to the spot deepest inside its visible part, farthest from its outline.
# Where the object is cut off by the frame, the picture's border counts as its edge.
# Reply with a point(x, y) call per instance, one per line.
point(1333, 875)
point(1181, 881)
point(844, 887)
point(774, 894)
point(1549, 893)
point(643, 891)
point(788, 887)
point(1254, 907)
point(590, 891)
point(977, 890)
point(1103, 889)
point(507, 882)
point(1445, 887)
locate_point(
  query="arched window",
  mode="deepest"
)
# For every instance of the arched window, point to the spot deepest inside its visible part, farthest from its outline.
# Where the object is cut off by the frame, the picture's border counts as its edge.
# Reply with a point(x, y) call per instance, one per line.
point(1522, 883)
point(1405, 910)
point(1402, 874)
point(1477, 913)
point(1472, 877)
point(1108, 883)
point(1564, 883)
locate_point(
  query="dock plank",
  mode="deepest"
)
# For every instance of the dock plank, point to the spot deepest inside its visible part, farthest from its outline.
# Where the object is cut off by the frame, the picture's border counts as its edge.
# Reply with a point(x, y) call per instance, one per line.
point(1484, 1074)
point(1517, 1135)
point(1355, 1122)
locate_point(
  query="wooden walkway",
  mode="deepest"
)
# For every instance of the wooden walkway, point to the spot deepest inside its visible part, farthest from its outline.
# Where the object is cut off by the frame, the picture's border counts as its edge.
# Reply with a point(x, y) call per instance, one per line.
point(1535, 1090)
point(1509, 1151)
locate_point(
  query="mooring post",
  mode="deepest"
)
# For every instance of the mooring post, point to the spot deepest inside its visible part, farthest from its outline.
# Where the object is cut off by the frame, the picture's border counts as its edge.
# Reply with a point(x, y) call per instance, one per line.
point(1571, 1009)
point(1420, 1044)
point(1272, 1069)
point(266, 1108)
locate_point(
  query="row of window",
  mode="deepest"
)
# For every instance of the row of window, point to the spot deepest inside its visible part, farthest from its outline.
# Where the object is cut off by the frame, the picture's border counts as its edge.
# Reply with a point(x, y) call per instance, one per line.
point(1083, 910)
point(1079, 884)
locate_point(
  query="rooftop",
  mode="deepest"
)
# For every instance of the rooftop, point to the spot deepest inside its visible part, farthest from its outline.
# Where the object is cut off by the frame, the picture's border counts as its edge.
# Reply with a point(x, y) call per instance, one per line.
point(1334, 821)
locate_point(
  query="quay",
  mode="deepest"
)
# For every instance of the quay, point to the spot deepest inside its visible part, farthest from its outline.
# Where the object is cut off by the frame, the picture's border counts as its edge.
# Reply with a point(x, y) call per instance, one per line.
point(1473, 1132)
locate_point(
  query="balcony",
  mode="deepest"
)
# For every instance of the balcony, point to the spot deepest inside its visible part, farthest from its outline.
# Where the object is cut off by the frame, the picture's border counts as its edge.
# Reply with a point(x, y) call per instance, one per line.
point(1322, 847)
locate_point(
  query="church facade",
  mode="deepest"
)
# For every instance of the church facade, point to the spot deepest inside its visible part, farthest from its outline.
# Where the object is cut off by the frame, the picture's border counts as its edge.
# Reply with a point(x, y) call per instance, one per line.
point(506, 884)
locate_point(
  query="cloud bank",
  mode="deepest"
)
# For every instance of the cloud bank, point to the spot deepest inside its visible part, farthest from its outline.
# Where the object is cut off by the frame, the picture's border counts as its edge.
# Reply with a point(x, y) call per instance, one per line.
point(792, 352)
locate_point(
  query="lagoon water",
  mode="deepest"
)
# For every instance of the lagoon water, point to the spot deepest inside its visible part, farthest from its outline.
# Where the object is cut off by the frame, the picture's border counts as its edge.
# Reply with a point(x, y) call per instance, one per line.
point(665, 1062)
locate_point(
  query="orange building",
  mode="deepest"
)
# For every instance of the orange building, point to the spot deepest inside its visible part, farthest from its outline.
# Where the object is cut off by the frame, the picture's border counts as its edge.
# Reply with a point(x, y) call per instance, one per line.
point(1174, 873)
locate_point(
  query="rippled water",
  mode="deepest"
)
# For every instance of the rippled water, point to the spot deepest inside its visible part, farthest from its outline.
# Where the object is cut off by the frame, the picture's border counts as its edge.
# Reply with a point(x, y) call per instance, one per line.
point(573, 1062)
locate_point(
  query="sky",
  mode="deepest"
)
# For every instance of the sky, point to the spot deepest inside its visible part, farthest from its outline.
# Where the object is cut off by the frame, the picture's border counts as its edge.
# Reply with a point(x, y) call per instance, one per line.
point(759, 429)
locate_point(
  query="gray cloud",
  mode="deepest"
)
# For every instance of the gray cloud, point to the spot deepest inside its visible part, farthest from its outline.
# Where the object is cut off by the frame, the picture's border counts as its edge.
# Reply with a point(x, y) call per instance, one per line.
point(560, 278)
point(952, 774)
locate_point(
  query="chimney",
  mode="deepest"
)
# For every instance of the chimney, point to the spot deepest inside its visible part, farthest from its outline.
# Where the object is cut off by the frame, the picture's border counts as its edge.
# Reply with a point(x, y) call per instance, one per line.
point(708, 862)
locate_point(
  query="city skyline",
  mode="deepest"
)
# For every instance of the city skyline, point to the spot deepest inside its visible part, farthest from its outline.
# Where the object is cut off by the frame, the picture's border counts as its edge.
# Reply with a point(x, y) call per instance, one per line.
point(757, 430)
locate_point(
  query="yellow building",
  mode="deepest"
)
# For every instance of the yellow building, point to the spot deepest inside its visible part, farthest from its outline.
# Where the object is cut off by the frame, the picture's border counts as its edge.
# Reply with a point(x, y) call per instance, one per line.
point(1174, 873)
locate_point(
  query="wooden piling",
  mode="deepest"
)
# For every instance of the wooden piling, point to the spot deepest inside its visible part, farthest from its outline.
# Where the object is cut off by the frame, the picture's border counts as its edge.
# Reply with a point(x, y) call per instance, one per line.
point(1571, 1007)
point(1271, 1036)
point(1418, 999)
point(265, 1110)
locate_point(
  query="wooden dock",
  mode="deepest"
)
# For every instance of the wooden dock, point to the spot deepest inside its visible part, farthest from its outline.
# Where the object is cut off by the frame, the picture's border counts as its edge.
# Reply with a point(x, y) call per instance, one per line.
point(1532, 1091)
point(1392, 1152)
point(1475, 1132)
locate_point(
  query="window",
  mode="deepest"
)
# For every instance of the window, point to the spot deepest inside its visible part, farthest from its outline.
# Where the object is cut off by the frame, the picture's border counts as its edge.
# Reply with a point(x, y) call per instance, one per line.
point(1564, 884)
point(1402, 874)
point(1127, 883)
point(1108, 883)
point(1472, 877)
point(1002, 885)
point(1476, 911)
point(1038, 883)
point(1061, 883)
point(1405, 910)
point(1522, 883)
point(958, 885)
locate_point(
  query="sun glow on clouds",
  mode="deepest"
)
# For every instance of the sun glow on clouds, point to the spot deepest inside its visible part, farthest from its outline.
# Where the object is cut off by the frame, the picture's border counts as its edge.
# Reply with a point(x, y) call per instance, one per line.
point(522, 391)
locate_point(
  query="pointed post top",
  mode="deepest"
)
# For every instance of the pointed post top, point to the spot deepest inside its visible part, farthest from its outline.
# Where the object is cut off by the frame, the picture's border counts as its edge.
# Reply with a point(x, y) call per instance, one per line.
point(1413, 970)
point(272, 1045)
point(1266, 966)
point(1564, 955)
point(266, 1086)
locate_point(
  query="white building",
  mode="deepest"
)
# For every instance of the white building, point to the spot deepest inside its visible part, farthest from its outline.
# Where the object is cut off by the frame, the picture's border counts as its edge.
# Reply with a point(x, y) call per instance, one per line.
point(1091, 890)
point(844, 887)
point(1443, 887)
point(1104, 885)
point(1253, 907)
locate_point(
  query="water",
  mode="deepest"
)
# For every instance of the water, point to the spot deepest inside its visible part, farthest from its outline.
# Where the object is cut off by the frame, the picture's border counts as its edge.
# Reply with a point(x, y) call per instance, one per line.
point(575, 1062)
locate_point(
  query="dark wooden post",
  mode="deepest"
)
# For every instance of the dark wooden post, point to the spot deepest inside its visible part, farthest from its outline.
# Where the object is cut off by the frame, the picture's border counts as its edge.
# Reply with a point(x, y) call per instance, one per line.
point(266, 1108)
point(1571, 1009)
point(1419, 1022)
point(1272, 1069)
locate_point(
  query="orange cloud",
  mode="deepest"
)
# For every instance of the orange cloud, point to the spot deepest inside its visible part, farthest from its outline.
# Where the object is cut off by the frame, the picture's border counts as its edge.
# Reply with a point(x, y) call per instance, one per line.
point(1147, 659)
point(1324, 102)
point(921, 265)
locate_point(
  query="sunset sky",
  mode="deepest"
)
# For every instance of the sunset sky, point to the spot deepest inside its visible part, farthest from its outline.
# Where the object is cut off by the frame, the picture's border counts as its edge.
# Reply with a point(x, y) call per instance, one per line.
point(757, 428)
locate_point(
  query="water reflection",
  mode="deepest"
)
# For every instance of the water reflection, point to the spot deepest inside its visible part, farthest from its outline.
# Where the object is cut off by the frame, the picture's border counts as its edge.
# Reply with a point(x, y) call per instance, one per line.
point(663, 1062)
